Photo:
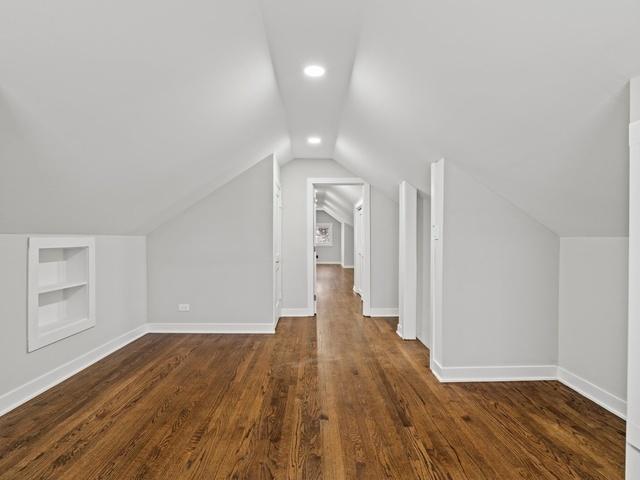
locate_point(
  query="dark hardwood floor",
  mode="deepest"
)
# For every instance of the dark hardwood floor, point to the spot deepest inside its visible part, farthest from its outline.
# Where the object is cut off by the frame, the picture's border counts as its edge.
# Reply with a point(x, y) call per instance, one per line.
point(335, 398)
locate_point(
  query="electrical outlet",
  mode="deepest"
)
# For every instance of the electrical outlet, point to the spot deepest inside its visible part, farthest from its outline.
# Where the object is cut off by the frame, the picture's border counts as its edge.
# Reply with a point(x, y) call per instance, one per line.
point(184, 307)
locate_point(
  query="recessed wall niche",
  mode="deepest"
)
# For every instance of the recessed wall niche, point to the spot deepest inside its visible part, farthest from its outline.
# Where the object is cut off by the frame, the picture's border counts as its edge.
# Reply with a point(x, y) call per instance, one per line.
point(61, 293)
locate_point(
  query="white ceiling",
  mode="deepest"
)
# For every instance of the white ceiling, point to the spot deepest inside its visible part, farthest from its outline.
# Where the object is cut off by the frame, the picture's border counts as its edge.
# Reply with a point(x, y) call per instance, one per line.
point(530, 97)
point(116, 115)
point(303, 32)
point(339, 200)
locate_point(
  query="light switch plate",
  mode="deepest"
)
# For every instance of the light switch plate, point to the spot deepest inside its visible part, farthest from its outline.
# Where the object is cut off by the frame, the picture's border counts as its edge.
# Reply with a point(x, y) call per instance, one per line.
point(435, 232)
point(184, 307)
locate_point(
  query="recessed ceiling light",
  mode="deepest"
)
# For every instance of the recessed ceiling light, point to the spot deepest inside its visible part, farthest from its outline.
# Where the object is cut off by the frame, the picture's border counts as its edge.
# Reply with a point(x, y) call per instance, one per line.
point(314, 140)
point(314, 71)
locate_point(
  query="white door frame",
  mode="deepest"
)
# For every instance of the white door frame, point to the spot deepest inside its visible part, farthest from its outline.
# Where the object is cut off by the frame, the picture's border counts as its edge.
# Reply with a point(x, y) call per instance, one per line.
point(277, 243)
point(311, 211)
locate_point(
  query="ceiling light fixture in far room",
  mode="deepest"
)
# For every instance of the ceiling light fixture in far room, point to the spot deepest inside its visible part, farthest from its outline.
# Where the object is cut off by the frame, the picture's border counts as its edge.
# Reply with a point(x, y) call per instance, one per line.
point(314, 71)
point(314, 140)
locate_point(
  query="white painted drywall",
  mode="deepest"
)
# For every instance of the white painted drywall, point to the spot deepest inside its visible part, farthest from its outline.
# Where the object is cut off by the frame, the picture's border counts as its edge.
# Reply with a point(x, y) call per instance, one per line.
point(121, 306)
point(423, 325)
point(347, 245)
point(384, 234)
point(384, 251)
point(217, 256)
point(333, 253)
point(500, 280)
point(593, 311)
point(137, 111)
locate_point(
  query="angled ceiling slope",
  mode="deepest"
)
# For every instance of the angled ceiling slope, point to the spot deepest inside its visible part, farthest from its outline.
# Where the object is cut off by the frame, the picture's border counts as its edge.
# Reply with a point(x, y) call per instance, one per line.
point(115, 114)
point(338, 200)
point(303, 32)
point(110, 122)
point(530, 98)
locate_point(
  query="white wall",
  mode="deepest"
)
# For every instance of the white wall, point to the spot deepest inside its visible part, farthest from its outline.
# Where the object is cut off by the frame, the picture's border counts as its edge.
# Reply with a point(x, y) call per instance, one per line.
point(424, 270)
point(121, 306)
point(593, 311)
point(217, 256)
point(384, 251)
point(333, 253)
point(347, 245)
point(384, 234)
point(500, 287)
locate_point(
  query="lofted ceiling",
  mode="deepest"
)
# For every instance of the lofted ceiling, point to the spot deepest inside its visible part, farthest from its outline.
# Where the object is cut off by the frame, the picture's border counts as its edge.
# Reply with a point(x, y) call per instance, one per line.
point(338, 200)
point(303, 32)
point(114, 116)
point(531, 98)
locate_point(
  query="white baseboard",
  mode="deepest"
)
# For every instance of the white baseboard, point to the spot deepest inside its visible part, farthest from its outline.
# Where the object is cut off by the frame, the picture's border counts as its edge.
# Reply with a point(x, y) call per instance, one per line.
point(346, 266)
point(610, 402)
point(35, 387)
point(614, 404)
point(211, 328)
point(516, 373)
point(327, 263)
point(383, 312)
point(297, 312)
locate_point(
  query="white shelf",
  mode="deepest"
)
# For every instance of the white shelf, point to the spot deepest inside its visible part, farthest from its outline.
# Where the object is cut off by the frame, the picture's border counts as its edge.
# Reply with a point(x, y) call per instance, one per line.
point(60, 286)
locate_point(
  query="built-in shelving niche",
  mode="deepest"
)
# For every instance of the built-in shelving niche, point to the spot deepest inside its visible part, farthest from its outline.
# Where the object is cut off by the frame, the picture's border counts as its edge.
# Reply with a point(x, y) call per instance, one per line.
point(61, 288)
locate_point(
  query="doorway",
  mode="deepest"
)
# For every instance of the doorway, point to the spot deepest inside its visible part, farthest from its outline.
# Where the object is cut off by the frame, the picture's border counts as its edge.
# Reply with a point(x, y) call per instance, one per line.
point(347, 201)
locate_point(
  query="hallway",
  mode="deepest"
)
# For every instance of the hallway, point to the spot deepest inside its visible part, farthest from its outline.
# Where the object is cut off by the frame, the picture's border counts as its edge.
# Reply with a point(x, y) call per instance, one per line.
point(340, 397)
point(395, 419)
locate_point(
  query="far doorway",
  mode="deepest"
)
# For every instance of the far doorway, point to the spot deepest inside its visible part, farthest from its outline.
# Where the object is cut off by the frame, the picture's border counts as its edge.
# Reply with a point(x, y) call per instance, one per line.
point(338, 232)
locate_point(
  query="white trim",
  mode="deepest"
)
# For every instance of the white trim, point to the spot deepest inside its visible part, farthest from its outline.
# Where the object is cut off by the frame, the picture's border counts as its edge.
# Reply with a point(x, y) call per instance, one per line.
point(507, 373)
point(435, 368)
point(346, 266)
point(634, 133)
point(614, 404)
point(342, 244)
point(633, 435)
point(436, 257)
point(221, 328)
point(606, 400)
point(366, 195)
point(297, 312)
point(323, 262)
point(35, 387)
point(383, 312)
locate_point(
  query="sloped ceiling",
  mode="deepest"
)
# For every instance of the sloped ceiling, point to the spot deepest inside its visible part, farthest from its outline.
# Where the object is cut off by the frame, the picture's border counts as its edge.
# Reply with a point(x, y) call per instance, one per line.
point(303, 32)
point(339, 200)
point(116, 115)
point(531, 98)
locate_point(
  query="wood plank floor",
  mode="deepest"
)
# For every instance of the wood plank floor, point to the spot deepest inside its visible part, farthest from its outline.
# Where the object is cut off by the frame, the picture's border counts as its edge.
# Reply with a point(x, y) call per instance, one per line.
point(339, 397)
